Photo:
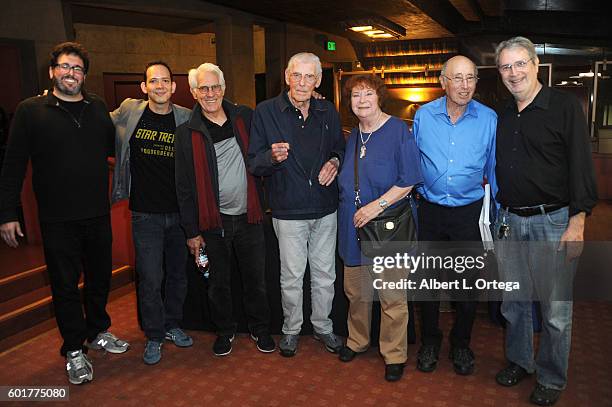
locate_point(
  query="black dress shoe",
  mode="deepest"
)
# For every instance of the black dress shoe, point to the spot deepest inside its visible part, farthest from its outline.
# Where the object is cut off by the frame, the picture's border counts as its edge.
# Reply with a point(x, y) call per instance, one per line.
point(463, 360)
point(427, 358)
point(394, 372)
point(511, 375)
point(347, 354)
point(544, 396)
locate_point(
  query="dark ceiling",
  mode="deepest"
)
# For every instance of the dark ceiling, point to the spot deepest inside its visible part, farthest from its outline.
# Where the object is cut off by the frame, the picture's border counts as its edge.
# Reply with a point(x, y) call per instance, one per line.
point(565, 27)
point(571, 19)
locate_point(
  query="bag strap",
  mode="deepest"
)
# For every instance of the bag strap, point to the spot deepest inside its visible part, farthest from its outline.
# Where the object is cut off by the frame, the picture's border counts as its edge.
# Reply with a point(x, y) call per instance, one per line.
point(356, 172)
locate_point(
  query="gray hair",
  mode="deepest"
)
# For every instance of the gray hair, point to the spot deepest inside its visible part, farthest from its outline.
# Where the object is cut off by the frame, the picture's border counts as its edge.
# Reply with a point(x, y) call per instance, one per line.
point(516, 42)
point(305, 58)
point(205, 67)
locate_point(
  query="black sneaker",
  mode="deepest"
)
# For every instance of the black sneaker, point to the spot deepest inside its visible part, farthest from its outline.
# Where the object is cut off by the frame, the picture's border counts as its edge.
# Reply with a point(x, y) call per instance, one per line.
point(264, 342)
point(463, 360)
point(427, 358)
point(511, 375)
point(223, 345)
point(544, 396)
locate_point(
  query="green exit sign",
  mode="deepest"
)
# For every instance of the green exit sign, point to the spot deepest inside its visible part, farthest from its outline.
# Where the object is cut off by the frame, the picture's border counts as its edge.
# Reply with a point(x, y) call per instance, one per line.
point(331, 45)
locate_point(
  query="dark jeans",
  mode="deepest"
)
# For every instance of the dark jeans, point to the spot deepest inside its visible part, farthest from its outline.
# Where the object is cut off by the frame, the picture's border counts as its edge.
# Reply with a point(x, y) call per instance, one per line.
point(71, 247)
point(160, 246)
point(449, 224)
point(246, 242)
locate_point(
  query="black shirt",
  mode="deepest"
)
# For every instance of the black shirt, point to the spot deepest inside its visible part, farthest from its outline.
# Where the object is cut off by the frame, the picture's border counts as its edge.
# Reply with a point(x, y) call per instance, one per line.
point(544, 155)
point(69, 159)
point(152, 164)
point(219, 133)
point(74, 108)
point(307, 139)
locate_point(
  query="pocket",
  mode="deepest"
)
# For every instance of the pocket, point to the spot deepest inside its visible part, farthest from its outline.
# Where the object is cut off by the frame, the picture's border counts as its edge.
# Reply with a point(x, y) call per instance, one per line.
point(559, 218)
point(139, 217)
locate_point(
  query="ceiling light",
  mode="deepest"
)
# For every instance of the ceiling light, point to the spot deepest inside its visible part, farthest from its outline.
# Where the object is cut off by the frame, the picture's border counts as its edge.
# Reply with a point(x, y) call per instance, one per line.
point(361, 28)
point(376, 27)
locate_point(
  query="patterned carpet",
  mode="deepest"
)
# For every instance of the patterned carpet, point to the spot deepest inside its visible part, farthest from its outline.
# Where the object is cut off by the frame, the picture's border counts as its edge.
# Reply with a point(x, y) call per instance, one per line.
point(314, 377)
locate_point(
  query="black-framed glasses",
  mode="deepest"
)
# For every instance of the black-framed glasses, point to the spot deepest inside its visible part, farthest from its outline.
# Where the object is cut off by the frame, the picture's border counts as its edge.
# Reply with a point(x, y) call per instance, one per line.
point(78, 69)
point(518, 65)
point(459, 79)
point(205, 89)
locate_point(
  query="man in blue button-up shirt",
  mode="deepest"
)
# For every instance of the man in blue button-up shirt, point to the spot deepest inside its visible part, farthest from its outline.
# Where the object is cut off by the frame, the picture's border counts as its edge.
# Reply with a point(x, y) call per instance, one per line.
point(456, 139)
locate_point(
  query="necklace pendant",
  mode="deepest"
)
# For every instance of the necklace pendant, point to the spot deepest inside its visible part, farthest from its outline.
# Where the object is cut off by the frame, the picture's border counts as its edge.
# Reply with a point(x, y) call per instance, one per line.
point(362, 152)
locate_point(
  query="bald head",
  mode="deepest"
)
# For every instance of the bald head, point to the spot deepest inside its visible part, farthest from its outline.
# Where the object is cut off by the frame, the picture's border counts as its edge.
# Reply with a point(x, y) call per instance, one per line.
point(458, 79)
point(458, 60)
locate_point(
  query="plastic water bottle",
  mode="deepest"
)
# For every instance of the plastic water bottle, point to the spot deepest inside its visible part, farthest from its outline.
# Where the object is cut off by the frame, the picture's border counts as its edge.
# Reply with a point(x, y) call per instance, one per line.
point(203, 265)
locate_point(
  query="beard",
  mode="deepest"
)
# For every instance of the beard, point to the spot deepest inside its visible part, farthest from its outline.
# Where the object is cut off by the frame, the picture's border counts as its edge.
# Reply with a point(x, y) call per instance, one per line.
point(59, 85)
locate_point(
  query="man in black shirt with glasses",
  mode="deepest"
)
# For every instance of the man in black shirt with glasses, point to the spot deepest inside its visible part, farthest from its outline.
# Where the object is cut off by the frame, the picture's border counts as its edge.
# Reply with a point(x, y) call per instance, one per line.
point(68, 135)
point(546, 188)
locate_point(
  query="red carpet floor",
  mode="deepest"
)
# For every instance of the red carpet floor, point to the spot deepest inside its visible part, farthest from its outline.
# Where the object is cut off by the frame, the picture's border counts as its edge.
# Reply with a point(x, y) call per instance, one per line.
point(314, 377)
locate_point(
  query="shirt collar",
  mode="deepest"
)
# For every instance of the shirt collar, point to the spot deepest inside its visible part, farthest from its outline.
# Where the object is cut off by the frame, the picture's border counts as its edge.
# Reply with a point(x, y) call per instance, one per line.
point(471, 108)
point(284, 103)
point(542, 100)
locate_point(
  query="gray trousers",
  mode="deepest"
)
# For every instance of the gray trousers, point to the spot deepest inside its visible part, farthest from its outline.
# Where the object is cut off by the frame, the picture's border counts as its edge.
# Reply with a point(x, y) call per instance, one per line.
point(299, 241)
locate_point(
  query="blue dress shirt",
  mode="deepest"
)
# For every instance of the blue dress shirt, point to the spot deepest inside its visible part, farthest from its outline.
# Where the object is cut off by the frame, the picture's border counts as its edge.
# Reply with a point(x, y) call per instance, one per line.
point(455, 158)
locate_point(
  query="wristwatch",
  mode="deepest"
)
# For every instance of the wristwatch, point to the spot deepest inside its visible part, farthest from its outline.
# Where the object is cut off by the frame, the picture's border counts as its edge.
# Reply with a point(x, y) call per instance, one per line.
point(383, 203)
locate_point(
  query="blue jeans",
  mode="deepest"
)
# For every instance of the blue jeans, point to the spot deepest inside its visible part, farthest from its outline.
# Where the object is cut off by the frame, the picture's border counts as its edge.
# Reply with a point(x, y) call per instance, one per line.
point(311, 241)
point(160, 246)
point(529, 255)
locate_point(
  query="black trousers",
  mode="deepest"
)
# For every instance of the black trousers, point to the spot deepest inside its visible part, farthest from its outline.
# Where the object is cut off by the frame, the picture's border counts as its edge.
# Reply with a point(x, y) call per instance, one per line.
point(70, 248)
point(246, 242)
point(449, 224)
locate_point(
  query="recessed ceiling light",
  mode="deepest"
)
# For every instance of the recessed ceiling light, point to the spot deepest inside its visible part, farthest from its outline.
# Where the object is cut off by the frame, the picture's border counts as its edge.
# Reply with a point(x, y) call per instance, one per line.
point(361, 28)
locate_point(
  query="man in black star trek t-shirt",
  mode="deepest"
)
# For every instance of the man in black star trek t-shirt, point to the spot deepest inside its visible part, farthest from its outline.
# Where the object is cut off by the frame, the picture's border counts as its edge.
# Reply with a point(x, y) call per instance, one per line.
point(144, 173)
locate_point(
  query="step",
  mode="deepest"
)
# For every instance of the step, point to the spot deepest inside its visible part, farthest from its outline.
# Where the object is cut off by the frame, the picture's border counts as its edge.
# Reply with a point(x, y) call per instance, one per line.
point(23, 282)
point(21, 315)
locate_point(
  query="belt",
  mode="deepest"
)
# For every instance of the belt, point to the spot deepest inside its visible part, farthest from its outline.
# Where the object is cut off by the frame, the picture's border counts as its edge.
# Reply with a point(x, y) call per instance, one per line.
point(527, 211)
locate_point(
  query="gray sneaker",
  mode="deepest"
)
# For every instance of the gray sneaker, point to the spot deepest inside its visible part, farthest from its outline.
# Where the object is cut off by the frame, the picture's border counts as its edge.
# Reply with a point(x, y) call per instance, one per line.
point(78, 367)
point(108, 342)
point(152, 352)
point(288, 345)
point(332, 343)
point(179, 337)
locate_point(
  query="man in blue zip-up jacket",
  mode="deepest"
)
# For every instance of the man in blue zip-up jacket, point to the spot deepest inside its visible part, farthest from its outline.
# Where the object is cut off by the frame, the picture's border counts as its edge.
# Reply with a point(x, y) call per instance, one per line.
point(297, 144)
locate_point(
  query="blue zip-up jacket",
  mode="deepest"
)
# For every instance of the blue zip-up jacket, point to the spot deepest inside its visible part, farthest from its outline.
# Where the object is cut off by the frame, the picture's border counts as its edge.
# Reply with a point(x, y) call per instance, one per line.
point(294, 192)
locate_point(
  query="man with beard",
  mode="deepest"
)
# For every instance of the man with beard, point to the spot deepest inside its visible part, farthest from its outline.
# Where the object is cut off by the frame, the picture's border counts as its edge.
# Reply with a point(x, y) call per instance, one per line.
point(68, 136)
point(144, 173)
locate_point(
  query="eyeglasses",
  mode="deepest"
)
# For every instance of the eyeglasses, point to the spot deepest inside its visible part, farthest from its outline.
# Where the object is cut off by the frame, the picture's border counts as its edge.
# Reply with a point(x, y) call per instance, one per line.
point(518, 65)
point(308, 77)
point(78, 69)
point(458, 80)
point(205, 89)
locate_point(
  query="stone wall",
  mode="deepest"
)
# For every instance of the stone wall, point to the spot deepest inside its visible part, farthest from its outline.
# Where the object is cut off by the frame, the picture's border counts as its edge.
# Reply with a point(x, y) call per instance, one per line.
point(127, 50)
